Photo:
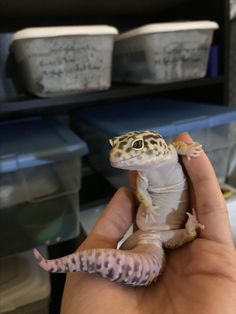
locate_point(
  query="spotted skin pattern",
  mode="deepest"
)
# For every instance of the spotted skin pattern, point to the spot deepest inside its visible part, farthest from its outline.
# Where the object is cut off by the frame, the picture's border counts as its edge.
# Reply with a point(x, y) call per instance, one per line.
point(161, 217)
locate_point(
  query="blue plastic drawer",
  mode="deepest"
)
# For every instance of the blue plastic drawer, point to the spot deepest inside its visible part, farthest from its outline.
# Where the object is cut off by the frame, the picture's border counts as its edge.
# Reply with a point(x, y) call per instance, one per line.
point(40, 174)
point(209, 124)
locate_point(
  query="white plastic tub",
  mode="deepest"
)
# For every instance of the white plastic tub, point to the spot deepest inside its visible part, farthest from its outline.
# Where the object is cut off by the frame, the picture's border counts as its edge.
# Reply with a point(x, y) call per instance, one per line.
point(165, 52)
point(64, 60)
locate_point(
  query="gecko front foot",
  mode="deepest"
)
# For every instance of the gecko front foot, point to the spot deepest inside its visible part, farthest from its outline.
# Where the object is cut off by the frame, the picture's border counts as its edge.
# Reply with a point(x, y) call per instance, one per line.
point(193, 224)
point(193, 150)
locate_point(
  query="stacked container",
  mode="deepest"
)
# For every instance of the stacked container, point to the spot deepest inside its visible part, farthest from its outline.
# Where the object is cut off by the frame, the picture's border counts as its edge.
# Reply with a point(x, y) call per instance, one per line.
point(212, 126)
point(163, 52)
point(24, 287)
point(40, 173)
point(64, 60)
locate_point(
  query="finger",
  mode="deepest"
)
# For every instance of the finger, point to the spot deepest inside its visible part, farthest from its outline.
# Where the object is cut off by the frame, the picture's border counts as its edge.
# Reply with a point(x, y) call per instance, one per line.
point(114, 221)
point(209, 202)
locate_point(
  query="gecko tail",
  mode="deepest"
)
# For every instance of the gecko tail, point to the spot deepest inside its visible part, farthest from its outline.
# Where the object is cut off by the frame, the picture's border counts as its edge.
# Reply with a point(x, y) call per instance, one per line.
point(137, 267)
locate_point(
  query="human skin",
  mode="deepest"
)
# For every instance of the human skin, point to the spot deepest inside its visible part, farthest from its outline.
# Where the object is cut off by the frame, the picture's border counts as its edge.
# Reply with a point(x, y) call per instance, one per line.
point(199, 277)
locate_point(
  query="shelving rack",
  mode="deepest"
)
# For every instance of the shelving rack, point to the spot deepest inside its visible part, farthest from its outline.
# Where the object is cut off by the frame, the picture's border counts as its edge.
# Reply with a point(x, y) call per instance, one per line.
point(123, 14)
point(130, 14)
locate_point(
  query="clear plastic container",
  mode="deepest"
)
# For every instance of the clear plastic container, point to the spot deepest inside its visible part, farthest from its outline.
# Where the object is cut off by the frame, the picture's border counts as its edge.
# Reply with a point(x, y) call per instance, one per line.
point(64, 60)
point(40, 173)
point(24, 287)
point(212, 126)
point(164, 52)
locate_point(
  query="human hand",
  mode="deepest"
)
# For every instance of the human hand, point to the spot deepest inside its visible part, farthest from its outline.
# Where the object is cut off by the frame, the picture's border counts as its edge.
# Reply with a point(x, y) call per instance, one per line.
point(199, 277)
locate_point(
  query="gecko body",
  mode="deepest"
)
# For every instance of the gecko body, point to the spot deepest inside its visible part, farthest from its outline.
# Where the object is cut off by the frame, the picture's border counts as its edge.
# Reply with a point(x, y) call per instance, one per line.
point(162, 191)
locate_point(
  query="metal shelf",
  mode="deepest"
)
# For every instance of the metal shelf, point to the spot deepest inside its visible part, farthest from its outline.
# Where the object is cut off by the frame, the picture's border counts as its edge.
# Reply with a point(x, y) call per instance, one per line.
point(32, 105)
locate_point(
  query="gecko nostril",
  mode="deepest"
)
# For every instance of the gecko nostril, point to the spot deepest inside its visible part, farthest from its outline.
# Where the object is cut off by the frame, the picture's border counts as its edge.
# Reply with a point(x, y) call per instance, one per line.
point(118, 155)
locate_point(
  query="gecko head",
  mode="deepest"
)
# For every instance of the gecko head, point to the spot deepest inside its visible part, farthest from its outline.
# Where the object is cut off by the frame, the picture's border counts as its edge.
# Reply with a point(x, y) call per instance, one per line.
point(137, 150)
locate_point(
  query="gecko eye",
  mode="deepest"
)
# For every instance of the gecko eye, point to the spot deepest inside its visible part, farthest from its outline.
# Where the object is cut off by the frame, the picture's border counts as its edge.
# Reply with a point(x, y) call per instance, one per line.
point(138, 144)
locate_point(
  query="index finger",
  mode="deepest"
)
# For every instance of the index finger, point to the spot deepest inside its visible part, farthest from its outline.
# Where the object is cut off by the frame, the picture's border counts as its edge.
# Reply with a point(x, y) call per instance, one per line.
point(209, 202)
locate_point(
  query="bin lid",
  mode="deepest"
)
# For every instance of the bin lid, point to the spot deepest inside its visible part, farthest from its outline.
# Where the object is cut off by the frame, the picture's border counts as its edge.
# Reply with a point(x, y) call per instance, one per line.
point(168, 27)
point(58, 31)
point(165, 116)
point(31, 142)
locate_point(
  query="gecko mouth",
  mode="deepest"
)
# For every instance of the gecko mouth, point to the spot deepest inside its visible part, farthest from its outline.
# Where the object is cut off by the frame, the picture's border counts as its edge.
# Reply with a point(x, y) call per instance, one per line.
point(120, 162)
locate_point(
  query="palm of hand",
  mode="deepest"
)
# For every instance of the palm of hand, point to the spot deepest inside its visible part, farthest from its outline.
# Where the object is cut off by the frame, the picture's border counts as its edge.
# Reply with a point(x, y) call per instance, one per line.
point(187, 284)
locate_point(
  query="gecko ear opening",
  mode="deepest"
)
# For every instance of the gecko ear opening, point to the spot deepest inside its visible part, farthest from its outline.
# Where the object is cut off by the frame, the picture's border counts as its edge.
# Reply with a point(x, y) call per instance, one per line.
point(111, 141)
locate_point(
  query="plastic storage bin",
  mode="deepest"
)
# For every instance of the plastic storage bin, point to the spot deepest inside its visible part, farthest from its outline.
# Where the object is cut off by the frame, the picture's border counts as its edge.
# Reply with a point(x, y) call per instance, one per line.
point(65, 60)
point(165, 52)
point(206, 123)
point(24, 287)
point(40, 171)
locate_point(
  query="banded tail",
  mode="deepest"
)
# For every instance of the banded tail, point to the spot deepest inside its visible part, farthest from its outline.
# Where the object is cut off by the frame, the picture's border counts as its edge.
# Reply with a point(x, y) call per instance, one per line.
point(137, 267)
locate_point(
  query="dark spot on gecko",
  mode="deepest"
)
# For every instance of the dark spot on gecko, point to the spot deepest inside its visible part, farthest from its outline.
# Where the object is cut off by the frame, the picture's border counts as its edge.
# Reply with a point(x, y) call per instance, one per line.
point(59, 270)
point(136, 266)
point(73, 260)
point(152, 136)
point(119, 277)
point(118, 260)
point(67, 267)
point(128, 150)
point(106, 264)
point(110, 273)
point(91, 266)
point(122, 144)
point(153, 142)
point(128, 268)
point(98, 254)
point(118, 155)
point(147, 274)
point(99, 266)
point(134, 280)
point(122, 138)
point(160, 143)
point(51, 269)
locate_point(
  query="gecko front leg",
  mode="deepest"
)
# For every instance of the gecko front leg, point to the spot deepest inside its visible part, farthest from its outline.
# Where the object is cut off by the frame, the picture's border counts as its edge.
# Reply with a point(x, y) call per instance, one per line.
point(146, 206)
point(188, 150)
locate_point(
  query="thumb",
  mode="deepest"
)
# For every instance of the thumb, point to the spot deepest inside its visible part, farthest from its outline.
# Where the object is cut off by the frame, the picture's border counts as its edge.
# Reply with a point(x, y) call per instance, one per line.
point(114, 221)
point(209, 201)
